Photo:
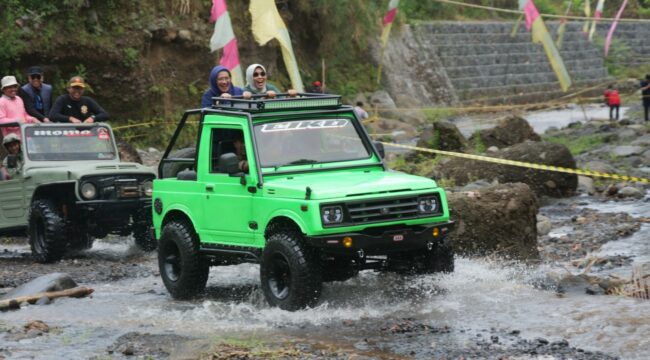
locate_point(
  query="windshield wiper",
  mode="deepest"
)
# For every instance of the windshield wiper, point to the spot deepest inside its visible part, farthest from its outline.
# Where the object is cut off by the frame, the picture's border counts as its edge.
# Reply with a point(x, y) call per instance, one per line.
point(297, 162)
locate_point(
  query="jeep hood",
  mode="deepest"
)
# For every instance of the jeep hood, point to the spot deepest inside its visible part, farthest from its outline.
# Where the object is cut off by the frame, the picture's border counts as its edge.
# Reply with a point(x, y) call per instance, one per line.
point(77, 169)
point(344, 184)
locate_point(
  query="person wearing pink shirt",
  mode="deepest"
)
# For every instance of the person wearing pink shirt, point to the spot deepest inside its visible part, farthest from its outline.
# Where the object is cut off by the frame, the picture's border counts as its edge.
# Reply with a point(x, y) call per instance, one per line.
point(12, 108)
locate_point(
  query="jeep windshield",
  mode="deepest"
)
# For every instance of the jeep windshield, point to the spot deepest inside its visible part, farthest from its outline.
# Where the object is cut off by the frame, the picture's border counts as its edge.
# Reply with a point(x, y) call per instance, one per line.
point(62, 143)
point(306, 142)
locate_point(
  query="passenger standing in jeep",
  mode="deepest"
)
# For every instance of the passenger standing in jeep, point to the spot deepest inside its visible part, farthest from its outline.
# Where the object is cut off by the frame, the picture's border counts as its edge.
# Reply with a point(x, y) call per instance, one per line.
point(76, 108)
point(12, 108)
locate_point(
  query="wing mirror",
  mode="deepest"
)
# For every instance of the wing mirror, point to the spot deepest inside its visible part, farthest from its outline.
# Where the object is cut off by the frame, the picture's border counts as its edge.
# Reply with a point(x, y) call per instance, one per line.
point(229, 163)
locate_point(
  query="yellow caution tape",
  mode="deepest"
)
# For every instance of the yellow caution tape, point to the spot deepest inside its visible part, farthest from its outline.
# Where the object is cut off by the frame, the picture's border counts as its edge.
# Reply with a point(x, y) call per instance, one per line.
point(523, 164)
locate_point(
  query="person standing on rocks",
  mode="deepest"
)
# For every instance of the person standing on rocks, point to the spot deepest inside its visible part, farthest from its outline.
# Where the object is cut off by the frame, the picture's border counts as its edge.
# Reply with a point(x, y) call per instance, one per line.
point(362, 114)
point(613, 100)
point(220, 86)
point(76, 108)
point(645, 93)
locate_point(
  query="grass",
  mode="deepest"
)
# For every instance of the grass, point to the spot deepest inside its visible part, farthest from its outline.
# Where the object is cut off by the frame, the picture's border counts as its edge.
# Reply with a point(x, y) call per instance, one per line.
point(578, 145)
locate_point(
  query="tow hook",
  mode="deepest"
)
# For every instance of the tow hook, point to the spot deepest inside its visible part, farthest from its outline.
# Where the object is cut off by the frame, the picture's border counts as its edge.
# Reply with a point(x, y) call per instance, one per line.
point(429, 245)
point(361, 254)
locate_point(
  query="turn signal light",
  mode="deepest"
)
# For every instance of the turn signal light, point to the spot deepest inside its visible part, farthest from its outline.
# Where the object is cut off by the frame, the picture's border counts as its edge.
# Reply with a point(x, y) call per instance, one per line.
point(436, 232)
point(347, 241)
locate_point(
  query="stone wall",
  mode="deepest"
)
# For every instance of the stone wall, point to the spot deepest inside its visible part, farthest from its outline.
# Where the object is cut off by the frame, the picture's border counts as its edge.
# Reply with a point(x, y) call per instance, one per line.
point(480, 62)
point(634, 38)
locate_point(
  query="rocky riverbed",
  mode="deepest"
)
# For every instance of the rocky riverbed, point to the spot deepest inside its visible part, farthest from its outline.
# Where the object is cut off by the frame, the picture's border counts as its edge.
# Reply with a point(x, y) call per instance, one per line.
point(552, 306)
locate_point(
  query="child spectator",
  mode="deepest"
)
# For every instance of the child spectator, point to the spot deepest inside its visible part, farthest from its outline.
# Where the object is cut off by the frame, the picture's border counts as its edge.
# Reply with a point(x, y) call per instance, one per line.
point(613, 100)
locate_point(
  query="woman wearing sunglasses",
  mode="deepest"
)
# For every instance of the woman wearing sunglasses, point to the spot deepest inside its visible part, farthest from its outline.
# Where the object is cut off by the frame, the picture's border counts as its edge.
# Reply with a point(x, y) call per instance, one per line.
point(256, 83)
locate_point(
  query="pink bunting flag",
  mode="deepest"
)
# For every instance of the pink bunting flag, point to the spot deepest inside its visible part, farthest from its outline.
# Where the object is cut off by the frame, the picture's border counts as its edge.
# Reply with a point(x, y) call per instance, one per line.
point(610, 33)
point(224, 38)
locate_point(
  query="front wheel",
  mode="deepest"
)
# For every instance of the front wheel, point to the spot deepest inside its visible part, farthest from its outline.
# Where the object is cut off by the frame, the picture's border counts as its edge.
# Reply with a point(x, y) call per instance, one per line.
point(47, 230)
point(184, 272)
point(290, 272)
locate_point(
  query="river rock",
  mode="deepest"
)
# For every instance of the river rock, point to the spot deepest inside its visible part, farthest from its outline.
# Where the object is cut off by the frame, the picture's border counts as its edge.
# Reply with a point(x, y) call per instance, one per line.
point(628, 150)
point(629, 191)
point(600, 166)
point(510, 131)
point(544, 225)
point(442, 135)
point(586, 185)
point(50, 282)
point(127, 152)
point(549, 183)
point(497, 219)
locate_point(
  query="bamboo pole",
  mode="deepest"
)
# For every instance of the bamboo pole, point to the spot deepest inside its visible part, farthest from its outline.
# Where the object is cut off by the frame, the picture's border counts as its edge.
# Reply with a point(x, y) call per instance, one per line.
point(14, 303)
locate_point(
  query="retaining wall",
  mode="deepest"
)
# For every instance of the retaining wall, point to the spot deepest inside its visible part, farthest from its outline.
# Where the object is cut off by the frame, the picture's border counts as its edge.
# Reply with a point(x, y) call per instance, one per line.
point(480, 62)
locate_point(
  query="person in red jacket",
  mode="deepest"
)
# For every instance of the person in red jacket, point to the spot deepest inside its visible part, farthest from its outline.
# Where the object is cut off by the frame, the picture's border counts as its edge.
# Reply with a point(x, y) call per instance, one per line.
point(613, 100)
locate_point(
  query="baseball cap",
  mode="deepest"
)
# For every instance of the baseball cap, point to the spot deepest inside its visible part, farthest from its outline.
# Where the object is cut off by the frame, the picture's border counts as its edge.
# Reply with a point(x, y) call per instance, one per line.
point(77, 81)
point(8, 81)
point(11, 137)
point(35, 70)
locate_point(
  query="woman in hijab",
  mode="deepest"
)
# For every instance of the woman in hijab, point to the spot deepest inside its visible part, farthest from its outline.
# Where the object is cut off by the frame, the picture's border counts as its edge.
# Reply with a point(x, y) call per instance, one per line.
point(220, 86)
point(256, 82)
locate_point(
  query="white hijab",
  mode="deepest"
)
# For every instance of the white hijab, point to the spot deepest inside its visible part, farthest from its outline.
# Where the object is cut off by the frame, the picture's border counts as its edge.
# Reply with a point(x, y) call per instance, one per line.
point(249, 78)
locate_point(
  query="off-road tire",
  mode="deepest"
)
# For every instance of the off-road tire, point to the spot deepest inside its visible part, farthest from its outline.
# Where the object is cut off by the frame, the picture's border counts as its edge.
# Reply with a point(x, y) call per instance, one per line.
point(142, 225)
point(290, 272)
point(439, 259)
point(183, 270)
point(47, 230)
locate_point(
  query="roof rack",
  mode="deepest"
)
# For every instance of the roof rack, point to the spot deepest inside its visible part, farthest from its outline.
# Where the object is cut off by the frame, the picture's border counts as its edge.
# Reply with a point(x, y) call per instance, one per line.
point(260, 103)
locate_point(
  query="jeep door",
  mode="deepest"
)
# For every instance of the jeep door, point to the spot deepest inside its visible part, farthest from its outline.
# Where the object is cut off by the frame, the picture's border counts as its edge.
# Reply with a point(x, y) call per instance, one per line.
point(227, 212)
point(13, 207)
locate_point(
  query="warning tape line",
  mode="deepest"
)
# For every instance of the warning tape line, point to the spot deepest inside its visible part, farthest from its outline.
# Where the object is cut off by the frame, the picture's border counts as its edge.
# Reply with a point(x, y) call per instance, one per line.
point(524, 164)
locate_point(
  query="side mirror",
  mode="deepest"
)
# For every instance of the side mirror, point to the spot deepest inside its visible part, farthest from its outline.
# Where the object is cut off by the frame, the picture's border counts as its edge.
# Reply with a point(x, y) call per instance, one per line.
point(229, 163)
point(380, 149)
point(12, 161)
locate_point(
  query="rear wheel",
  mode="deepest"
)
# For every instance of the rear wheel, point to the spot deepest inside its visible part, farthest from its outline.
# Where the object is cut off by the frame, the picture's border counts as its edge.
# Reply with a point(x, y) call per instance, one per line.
point(184, 272)
point(290, 272)
point(46, 228)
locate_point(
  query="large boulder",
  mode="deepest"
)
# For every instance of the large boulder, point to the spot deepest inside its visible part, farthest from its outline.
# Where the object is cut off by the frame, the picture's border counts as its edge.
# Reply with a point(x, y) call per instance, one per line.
point(509, 131)
point(542, 182)
point(442, 135)
point(498, 219)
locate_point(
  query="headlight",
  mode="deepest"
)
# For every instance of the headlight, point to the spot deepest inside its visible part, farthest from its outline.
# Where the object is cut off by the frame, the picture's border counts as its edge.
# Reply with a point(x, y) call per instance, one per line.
point(147, 188)
point(88, 190)
point(427, 205)
point(331, 215)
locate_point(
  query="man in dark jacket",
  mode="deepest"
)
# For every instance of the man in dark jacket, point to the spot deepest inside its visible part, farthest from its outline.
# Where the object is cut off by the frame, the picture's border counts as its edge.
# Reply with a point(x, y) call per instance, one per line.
point(76, 108)
point(37, 95)
point(645, 93)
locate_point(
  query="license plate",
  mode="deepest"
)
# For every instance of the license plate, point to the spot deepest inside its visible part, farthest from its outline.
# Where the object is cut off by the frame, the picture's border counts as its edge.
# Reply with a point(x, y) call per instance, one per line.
point(398, 237)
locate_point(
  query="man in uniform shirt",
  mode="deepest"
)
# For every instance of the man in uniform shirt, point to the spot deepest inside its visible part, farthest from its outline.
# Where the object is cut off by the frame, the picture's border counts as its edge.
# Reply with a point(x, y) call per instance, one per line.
point(76, 108)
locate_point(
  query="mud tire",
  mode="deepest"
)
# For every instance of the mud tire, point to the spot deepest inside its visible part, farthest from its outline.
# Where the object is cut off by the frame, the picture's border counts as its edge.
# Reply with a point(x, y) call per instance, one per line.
point(290, 272)
point(46, 230)
point(142, 225)
point(183, 270)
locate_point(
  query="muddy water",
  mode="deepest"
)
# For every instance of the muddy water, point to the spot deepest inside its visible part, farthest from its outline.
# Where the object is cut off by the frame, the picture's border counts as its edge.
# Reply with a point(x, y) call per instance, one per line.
point(480, 295)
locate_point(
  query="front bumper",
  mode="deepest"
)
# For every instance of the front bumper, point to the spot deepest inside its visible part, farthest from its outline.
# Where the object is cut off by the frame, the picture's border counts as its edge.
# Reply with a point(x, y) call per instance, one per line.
point(130, 203)
point(378, 241)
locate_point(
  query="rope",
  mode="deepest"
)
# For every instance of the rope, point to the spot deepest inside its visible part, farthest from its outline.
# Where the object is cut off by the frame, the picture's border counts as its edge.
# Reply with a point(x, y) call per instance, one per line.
point(519, 12)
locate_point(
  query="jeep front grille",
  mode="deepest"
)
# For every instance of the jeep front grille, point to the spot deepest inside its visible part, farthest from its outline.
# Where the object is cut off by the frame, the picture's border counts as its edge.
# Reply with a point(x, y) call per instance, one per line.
point(386, 209)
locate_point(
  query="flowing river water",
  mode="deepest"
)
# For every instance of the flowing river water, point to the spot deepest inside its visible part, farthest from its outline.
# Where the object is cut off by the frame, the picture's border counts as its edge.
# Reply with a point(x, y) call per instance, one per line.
point(482, 299)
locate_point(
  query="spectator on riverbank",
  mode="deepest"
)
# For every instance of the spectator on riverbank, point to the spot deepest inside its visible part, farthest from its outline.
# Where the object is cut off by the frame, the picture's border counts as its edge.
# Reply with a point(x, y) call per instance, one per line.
point(613, 100)
point(645, 93)
point(73, 107)
point(37, 95)
point(362, 114)
point(220, 86)
point(12, 108)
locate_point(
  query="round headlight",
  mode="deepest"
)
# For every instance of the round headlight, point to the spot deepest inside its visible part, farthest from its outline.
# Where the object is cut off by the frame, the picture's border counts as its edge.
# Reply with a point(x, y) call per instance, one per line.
point(427, 205)
point(88, 190)
point(332, 215)
point(147, 188)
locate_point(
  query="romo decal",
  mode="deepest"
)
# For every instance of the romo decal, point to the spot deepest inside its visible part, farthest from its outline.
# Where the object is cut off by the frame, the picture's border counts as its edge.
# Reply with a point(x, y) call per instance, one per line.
point(304, 125)
point(63, 132)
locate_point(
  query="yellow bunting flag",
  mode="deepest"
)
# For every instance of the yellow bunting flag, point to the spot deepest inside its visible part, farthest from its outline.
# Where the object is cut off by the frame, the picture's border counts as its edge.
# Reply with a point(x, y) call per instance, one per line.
point(535, 24)
point(268, 25)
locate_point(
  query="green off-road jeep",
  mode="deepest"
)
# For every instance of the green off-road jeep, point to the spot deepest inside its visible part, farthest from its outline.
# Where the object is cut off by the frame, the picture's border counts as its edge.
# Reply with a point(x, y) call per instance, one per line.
point(70, 187)
point(296, 185)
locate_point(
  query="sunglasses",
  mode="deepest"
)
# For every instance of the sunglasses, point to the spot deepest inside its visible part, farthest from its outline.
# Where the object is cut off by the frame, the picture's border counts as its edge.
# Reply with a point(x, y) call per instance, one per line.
point(37, 77)
point(257, 74)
